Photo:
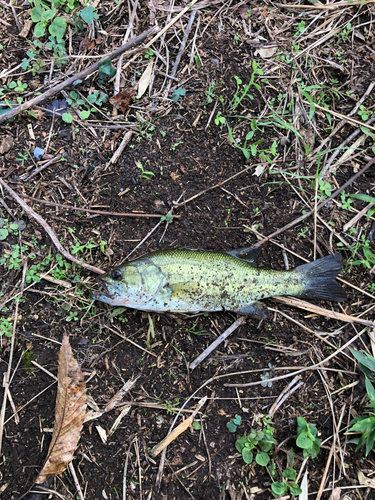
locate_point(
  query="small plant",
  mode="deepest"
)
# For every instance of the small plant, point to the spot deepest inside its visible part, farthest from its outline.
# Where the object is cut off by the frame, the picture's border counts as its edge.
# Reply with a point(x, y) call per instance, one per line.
point(234, 423)
point(267, 375)
point(8, 228)
point(260, 442)
point(149, 54)
point(167, 218)
point(368, 256)
point(219, 120)
point(306, 438)
point(301, 27)
point(365, 425)
point(261, 445)
point(210, 93)
point(243, 91)
point(145, 174)
point(6, 327)
point(304, 231)
point(180, 92)
point(72, 316)
point(346, 201)
point(106, 71)
point(364, 113)
point(324, 189)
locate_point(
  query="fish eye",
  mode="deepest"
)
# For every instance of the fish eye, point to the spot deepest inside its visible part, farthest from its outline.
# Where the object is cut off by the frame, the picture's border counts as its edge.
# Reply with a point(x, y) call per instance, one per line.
point(116, 275)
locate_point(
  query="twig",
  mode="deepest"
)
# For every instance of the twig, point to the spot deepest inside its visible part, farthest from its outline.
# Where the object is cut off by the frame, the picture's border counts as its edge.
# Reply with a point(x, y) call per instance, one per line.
point(325, 7)
point(164, 30)
point(6, 375)
point(307, 214)
point(78, 76)
point(54, 160)
point(284, 394)
point(177, 431)
point(321, 311)
point(240, 321)
point(90, 210)
point(31, 213)
point(121, 147)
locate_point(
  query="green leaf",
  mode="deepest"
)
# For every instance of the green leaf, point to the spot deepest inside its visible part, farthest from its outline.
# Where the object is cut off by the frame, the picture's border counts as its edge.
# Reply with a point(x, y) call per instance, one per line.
point(14, 226)
point(180, 92)
point(196, 425)
point(48, 14)
point(232, 427)
point(84, 114)
point(279, 489)
point(247, 455)
point(3, 234)
point(88, 14)
point(40, 29)
point(262, 459)
point(36, 13)
point(117, 312)
point(58, 28)
point(67, 118)
point(294, 489)
point(290, 474)
point(363, 197)
point(240, 443)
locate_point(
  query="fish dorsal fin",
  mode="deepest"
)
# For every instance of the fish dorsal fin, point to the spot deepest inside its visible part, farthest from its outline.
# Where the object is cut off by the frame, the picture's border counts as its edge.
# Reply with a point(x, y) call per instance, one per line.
point(249, 254)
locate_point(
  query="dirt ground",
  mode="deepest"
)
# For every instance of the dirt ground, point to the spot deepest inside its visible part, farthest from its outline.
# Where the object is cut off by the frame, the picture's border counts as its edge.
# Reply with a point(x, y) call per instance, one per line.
point(235, 165)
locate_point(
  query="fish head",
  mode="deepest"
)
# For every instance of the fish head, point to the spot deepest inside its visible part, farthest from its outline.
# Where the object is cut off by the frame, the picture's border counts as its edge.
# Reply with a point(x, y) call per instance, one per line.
point(122, 286)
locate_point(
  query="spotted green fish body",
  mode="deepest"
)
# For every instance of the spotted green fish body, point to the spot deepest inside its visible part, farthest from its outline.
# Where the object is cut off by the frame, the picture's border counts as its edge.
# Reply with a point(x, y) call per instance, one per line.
point(191, 281)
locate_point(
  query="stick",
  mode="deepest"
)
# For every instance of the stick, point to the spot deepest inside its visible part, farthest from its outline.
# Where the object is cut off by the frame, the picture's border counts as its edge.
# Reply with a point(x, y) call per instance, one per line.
point(78, 76)
point(177, 431)
point(31, 213)
point(219, 340)
point(321, 311)
point(307, 214)
point(90, 210)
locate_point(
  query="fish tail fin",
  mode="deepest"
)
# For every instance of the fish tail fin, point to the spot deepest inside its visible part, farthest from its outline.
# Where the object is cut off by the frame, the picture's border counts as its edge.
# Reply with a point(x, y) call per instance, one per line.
point(319, 276)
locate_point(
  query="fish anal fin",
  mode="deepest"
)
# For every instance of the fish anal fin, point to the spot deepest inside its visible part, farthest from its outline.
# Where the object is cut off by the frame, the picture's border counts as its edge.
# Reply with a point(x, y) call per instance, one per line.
point(255, 309)
point(249, 254)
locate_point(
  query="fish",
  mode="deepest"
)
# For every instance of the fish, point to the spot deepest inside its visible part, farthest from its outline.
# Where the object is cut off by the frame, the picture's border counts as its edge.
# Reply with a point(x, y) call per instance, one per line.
point(190, 281)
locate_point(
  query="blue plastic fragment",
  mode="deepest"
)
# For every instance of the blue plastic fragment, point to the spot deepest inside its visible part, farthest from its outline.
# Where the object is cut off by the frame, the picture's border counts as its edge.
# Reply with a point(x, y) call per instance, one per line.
point(38, 153)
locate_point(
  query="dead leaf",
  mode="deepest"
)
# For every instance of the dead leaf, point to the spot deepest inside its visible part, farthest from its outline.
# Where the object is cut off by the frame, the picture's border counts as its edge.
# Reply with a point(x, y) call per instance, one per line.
point(265, 52)
point(259, 170)
point(70, 413)
point(87, 44)
point(174, 176)
point(122, 100)
point(365, 480)
point(6, 144)
point(145, 80)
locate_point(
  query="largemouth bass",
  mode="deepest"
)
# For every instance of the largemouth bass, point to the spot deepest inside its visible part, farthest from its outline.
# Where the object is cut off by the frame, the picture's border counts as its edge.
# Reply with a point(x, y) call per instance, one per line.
point(192, 281)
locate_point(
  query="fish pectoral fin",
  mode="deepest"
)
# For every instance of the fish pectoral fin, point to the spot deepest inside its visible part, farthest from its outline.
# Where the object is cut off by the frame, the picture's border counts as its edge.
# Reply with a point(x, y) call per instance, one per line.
point(183, 288)
point(249, 254)
point(255, 309)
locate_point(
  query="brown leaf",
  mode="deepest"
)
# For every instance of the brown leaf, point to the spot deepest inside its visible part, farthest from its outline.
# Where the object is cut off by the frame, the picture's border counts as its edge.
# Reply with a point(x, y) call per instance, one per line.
point(69, 414)
point(174, 176)
point(122, 100)
point(87, 44)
